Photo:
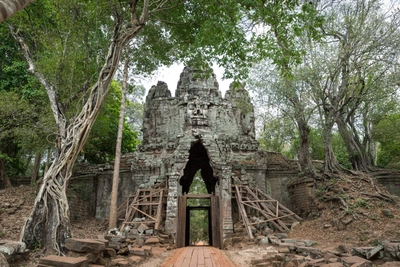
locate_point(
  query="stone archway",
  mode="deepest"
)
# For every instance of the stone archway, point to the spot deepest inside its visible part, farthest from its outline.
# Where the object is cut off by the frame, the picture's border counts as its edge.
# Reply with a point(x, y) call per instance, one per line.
point(198, 160)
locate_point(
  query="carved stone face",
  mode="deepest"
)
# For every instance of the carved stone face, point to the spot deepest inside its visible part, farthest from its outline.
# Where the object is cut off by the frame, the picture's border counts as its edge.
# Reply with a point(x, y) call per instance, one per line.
point(197, 113)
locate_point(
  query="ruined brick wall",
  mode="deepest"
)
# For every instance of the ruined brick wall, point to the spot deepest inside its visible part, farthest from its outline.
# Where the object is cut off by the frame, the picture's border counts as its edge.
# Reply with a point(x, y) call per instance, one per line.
point(301, 195)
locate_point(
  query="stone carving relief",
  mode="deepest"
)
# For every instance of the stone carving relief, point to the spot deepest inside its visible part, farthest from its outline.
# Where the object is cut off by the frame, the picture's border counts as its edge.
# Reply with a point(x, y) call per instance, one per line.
point(197, 113)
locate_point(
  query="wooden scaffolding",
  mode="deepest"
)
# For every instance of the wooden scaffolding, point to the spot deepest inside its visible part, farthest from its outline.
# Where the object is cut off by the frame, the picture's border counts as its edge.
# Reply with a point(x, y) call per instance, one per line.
point(252, 199)
point(146, 206)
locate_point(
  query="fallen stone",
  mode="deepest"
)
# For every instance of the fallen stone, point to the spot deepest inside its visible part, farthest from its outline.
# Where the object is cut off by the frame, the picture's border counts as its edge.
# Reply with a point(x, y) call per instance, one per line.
point(374, 251)
point(115, 238)
point(257, 261)
point(9, 248)
point(137, 251)
point(281, 235)
point(135, 259)
point(123, 251)
point(290, 246)
point(263, 241)
point(391, 264)
point(147, 249)
point(274, 240)
point(103, 261)
point(328, 256)
point(283, 249)
point(120, 262)
point(360, 251)
point(85, 245)
point(156, 251)
point(288, 240)
point(149, 231)
point(60, 261)
point(309, 243)
point(3, 261)
point(263, 264)
point(335, 264)
point(305, 251)
point(109, 253)
point(151, 241)
point(355, 261)
point(142, 227)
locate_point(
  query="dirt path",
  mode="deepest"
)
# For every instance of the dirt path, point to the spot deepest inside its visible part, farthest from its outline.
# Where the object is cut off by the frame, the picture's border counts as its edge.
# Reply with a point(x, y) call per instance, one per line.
point(198, 257)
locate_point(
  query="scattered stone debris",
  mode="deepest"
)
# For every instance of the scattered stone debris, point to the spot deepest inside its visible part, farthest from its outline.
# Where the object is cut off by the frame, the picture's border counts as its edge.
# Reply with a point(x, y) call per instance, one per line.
point(113, 249)
point(12, 251)
point(280, 251)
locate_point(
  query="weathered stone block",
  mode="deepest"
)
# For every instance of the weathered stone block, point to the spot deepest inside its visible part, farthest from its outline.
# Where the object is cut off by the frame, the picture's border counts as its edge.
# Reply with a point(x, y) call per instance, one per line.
point(9, 248)
point(137, 251)
point(151, 241)
point(85, 245)
point(109, 253)
point(135, 259)
point(60, 261)
point(355, 261)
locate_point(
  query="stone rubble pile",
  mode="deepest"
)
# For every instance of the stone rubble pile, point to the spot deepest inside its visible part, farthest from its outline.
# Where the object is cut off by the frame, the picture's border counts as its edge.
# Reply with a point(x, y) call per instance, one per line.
point(109, 250)
point(12, 251)
point(281, 251)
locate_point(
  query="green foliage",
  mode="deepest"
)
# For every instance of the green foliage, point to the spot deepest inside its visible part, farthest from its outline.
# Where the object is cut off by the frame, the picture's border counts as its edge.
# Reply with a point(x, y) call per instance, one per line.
point(100, 146)
point(386, 133)
point(198, 218)
point(277, 135)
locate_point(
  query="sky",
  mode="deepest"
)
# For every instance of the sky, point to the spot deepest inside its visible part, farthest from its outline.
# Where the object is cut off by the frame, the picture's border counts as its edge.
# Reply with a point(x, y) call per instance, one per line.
point(171, 76)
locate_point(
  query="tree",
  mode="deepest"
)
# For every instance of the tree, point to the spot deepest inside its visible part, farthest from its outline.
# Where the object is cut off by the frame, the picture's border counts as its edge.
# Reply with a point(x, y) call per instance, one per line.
point(386, 133)
point(290, 96)
point(10, 7)
point(359, 55)
point(114, 191)
point(189, 30)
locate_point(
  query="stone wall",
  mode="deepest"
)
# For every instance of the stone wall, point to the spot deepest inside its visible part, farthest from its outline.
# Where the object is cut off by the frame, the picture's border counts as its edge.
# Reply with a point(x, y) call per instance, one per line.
point(300, 192)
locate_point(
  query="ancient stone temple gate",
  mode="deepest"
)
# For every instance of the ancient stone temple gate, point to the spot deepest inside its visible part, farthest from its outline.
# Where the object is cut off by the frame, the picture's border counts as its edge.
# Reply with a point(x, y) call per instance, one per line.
point(196, 130)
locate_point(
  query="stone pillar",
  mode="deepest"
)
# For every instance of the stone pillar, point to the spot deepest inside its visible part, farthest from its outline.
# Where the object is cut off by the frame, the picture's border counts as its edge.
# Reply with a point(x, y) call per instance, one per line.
point(172, 204)
point(225, 202)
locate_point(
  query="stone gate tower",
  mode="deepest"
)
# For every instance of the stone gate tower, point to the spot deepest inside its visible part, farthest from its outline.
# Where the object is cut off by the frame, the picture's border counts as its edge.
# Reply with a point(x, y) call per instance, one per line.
point(197, 129)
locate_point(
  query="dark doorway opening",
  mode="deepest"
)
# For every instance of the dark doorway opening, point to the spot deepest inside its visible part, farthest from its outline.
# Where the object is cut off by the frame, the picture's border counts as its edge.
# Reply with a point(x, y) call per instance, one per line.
point(198, 160)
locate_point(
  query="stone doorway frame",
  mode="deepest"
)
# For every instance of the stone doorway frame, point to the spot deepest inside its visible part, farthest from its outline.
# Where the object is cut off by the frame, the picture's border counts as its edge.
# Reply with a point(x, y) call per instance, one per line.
point(215, 226)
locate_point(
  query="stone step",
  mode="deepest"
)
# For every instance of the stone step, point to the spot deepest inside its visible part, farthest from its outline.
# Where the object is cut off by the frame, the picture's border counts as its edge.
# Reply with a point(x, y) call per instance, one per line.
point(85, 245)
point(59, 261)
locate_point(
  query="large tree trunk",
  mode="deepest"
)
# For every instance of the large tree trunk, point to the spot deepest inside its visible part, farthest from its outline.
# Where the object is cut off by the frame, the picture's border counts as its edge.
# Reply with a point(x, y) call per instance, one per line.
point(357, 155)
point(36, 166)
point(48, 223)
point(10, 7)
point(331, 164)
point(3, 174)
point(304, 150)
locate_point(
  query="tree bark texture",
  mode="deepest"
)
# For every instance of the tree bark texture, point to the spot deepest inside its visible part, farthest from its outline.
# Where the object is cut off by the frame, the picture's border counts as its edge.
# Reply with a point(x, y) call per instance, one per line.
point(3, 175)
point(331, 164)
point(304, 150)
point(10, 7)
point(357, 155)
point(36, 166)
point(48, 224)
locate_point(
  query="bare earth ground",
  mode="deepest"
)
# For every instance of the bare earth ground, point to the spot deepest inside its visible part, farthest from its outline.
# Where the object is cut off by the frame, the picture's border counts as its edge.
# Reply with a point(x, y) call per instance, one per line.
point(353, 211)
